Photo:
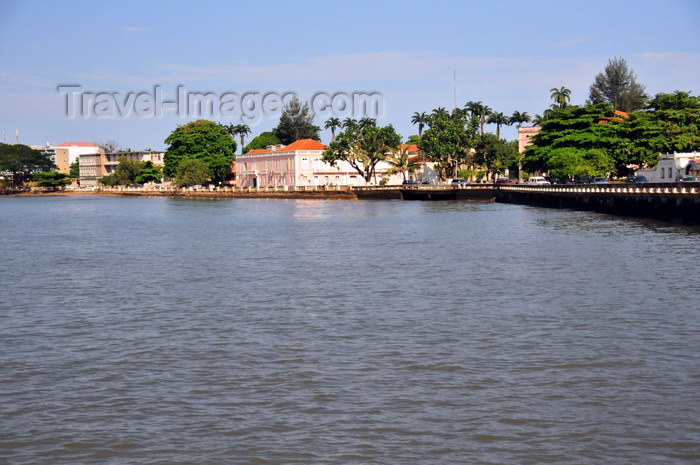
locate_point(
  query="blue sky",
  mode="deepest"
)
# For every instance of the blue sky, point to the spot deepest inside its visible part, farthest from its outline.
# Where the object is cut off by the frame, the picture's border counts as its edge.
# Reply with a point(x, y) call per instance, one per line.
point(506, 54)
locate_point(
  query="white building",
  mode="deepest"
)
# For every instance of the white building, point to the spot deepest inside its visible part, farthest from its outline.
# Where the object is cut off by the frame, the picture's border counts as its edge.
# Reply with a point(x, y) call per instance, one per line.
point(673, 165)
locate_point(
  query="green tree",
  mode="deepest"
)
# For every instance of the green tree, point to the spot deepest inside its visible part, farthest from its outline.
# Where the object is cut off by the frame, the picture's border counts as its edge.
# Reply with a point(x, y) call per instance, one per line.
point(670, 123)
point(240, 130)
point(363, 148)
point(149, 173)
point(588, 134)
point(201, 140)
point(262, 141)
point(560, 96)
point(127, 170)
point(22, 161)
point(350, 124)
point(421, 119)
point(333, 123)
point(402, 163)
point(192, 172)
point(75, 169)
point(449, 141)
point(52, 179)
point(519, 118)
point(366, 122)
point(479, 111)
point(617, 84)
point(499, 119)
point(296, 122)
point(495, 155)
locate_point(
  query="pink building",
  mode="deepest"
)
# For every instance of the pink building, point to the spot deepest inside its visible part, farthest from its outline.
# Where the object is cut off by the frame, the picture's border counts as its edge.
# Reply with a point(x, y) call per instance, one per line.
point(298, 164)
point(525, 135)
point(301, 164)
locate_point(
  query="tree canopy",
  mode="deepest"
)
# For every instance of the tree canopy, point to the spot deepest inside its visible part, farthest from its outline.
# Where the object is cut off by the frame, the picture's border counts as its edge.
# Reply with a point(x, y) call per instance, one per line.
point(296, 122)
point(617, 84)
point(670, 123)
point(576, 140)
point(594, 140)
point(363, 147)
point(450, 139)
point(22, 162)
point(262, 141)
point(201, 140)
point(130, 171)
point(192, 172)
point(52, 179)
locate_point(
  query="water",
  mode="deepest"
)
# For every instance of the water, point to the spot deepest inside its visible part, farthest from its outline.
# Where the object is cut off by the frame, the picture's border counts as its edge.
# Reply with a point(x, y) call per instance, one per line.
point(163, 331)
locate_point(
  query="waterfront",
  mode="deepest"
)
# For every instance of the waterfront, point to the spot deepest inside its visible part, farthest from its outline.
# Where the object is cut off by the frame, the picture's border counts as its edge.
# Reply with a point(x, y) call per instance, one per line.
point(159, 330)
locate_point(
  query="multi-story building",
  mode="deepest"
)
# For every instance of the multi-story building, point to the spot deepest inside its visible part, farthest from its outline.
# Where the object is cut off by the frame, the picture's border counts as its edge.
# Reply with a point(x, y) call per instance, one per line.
point(93, 166)
point(525, 135)
point(112, 159)
point(301, 164)
point(68, 152)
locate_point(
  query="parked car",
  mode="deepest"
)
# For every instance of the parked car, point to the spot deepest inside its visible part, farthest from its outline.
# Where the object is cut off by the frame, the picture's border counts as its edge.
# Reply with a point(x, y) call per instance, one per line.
point(537, 180)
point(459, 182)
point(686, 178)
point(599, 180)
point(410, 181)
point(504, 181)
point(582, 180)
point(636, 178)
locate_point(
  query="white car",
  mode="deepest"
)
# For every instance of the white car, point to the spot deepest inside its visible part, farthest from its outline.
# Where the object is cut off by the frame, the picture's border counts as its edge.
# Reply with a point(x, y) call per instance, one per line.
point(537, 180)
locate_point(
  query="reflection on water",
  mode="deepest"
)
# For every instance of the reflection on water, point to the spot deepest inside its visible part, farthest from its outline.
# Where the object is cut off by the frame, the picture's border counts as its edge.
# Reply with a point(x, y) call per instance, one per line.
point(290, 331)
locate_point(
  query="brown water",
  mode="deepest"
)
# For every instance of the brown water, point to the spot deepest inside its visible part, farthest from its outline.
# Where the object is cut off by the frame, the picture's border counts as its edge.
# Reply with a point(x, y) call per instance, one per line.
point(166, 331)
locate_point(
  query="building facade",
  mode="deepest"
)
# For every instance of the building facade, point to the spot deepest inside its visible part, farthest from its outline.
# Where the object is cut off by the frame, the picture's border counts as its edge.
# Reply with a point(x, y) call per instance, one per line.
point(525, 135)
point(673, 165)
point(93, 166)
point(68, 152)
point(301, 164)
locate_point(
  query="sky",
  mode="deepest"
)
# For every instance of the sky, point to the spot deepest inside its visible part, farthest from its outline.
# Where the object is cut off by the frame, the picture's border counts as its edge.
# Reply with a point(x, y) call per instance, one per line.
point(133, 71)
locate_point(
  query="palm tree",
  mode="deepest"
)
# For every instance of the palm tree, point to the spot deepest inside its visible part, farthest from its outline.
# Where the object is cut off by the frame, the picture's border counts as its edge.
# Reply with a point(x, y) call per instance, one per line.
point(242, 130)
point(519, 118)
point(439, 111)
point(401, 163)
point(474, 108)
point(421, 119)
point(349, 124)
point(478, 110)
point(560, 96)
point(331, 124)
point(499, 119)
point(367, 122)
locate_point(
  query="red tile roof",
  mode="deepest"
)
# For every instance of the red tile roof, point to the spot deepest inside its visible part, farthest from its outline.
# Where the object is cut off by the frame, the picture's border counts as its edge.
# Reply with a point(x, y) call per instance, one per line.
point(304, 144)
point(411, 147)
point(77, 144)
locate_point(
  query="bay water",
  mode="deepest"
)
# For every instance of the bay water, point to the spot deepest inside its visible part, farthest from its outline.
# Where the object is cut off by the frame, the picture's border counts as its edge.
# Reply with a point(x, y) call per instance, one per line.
point(262, 331)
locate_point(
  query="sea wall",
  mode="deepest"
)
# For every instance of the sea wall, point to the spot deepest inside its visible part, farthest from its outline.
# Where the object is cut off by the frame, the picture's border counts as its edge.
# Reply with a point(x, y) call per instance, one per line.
point(664, 201)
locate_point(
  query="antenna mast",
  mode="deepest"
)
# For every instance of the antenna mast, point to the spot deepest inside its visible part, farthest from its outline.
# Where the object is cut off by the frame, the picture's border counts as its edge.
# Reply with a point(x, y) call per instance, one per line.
point(454, 85)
